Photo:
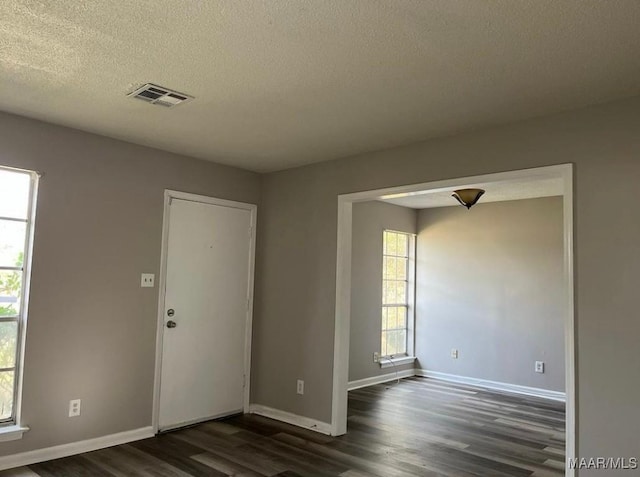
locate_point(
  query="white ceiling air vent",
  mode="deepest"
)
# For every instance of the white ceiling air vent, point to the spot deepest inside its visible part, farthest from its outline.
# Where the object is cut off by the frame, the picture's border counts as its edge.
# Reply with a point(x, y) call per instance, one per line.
point(160, 95)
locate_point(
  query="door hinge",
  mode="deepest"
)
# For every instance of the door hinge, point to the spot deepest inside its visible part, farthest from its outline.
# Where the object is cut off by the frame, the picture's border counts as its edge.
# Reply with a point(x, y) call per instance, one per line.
point(244, 380)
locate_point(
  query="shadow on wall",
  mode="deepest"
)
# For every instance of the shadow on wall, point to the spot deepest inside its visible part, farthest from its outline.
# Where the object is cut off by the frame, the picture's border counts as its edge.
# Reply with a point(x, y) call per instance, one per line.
point(490, 285)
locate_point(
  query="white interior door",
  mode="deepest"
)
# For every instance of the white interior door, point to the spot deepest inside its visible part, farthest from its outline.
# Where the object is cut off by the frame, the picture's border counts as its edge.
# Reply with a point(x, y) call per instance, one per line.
point(207, 290)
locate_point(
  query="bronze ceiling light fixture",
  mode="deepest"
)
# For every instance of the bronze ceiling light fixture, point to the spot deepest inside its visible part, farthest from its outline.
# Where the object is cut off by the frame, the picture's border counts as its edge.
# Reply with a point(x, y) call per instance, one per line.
point(468, 197)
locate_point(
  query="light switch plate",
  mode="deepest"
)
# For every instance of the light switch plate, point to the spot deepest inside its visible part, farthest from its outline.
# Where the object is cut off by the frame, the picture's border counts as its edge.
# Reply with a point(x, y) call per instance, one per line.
point(147, 280)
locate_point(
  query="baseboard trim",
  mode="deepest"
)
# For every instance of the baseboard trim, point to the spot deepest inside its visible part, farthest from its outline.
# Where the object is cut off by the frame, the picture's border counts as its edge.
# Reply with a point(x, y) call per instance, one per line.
point(383, 378)
point(495, 385)
point(73, 448)
point(290, 418)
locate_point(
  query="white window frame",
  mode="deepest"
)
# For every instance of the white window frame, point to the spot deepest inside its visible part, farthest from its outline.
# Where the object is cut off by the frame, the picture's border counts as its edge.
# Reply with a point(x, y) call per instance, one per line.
point(12, 429)
point(386, 361)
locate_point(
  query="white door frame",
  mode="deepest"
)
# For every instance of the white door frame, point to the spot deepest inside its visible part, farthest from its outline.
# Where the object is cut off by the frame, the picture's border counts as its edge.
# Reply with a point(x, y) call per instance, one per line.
point(253, 209)
point(343, 283)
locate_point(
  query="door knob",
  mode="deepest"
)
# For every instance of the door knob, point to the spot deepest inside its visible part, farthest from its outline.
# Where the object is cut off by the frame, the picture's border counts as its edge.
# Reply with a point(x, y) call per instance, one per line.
point(171, 324)
point(171, 312)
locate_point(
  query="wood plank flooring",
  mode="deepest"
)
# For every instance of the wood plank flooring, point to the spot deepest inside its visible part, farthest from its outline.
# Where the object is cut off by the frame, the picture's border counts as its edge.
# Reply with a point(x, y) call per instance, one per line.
point(418, 427)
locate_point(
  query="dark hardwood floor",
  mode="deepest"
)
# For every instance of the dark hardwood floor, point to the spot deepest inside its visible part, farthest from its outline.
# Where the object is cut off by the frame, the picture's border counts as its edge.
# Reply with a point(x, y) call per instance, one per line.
point(419, 427)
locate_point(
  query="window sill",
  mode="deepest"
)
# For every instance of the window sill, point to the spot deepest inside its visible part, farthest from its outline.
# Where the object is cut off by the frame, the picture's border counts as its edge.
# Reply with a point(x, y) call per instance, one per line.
point(12, 433)
point(389, 362)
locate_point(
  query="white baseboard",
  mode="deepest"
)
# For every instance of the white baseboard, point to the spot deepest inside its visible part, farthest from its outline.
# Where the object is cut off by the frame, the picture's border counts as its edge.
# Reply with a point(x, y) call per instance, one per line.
point(495, 385)
point(383, 378)
point(73, 448)
point(290, 418)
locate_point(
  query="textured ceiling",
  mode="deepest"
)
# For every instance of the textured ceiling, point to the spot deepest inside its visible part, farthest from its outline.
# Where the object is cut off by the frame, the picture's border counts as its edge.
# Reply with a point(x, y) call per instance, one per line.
point(494, 192)
point(282, 83)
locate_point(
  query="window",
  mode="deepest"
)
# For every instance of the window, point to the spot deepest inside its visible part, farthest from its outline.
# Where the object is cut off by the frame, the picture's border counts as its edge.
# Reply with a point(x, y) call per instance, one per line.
point(17, 194)
point(398, 270)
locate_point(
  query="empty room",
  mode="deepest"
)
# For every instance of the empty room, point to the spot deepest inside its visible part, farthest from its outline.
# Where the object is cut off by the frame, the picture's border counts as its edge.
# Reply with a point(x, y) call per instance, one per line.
point(475, 302)
point(247, 238)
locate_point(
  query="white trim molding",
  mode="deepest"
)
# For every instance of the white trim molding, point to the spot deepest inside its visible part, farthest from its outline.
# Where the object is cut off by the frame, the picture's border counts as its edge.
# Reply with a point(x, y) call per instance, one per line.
point(383, 378)
point(12, 433)
point(571, 447)
point(290, 418)
point(393, 362)
point(73, 448)
point(493, 385)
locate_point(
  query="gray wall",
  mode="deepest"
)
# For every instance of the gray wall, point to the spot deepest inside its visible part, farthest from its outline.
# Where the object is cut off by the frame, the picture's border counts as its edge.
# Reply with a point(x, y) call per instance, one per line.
point(91, 331)
point(293, 332)
point(490, 283)
point(369, 220)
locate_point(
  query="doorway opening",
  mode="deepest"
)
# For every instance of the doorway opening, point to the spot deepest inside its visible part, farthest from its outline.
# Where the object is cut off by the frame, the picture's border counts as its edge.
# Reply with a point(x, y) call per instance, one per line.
point(560, 175)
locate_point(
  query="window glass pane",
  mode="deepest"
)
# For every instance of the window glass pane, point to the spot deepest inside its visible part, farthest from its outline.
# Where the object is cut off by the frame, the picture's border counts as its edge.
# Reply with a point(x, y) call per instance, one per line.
point(392, 318)
point(389, 271)
point(14, 194)
point(389, 293)
point(384, 318)
point(402, 318)
point(395, 268)
point(12, 235)
point(401, 268)
point(385, 341)
point(10, 286)
point(396, 292)
point(401, 292)
point(403, 246)
point(391, 342)
point(401, 344)
point(392, 244)
point(8, 340)
point(6, 394)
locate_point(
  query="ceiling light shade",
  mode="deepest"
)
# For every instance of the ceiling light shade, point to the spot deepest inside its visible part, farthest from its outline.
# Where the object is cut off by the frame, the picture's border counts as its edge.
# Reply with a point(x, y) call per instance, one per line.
point(468, 197)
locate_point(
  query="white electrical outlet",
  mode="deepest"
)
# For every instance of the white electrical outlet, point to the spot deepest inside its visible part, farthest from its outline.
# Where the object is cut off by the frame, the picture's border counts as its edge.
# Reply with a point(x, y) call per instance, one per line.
point(454, 353)
point(300, 387)
point(539, 367)
point(376, 357)
point(74, 407)
point(147, 280)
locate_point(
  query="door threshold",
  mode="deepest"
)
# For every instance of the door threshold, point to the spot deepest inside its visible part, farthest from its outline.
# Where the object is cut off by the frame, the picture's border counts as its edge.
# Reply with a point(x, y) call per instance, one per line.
point(186, 425)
